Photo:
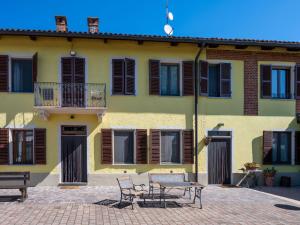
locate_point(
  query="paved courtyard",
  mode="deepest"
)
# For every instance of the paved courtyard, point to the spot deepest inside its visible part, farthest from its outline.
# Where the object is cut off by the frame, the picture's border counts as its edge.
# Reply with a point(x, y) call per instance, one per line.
point(96, 205)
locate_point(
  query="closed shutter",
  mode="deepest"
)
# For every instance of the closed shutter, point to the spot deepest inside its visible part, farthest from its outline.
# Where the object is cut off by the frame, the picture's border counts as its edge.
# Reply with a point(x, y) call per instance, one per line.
point(225, 79)
point(117, 76)
point(267, 147)
point(67, 70)
point(3, 73)
point(265, 73)
point(129, 76)
point(288, 83)
point(106, 146)
point(155, 146)
point(141, 146)
point(4, 159)
point(203, 78)
point(297, 82)
point(34, 68)
point(40, 145)
point(188, 149)
point(79, 70)
point(154, 77)
point(297, 147)
point(188, 78)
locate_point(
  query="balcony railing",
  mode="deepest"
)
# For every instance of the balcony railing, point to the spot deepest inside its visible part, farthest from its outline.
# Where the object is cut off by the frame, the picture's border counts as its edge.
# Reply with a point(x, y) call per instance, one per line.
point(74, 95)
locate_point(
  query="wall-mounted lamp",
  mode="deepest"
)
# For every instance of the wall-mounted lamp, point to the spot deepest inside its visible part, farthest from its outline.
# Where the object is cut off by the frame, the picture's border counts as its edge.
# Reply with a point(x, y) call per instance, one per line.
point(73, 53)
point(220, 125)
point(72, 117)
point(207, 140)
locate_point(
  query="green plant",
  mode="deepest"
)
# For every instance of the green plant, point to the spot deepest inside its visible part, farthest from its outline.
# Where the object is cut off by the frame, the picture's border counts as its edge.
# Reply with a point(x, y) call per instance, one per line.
point(269, 172)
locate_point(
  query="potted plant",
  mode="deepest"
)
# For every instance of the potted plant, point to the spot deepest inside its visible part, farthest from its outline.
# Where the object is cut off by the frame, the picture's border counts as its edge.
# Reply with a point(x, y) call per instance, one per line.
point(269, 175)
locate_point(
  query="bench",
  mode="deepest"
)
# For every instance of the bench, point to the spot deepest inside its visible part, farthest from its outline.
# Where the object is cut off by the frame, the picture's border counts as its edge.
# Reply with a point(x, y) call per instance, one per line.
point(20, 177)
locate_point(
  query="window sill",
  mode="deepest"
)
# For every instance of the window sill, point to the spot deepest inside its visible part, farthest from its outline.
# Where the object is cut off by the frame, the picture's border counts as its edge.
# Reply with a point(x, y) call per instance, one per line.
point(279, 99)
point(171, 164)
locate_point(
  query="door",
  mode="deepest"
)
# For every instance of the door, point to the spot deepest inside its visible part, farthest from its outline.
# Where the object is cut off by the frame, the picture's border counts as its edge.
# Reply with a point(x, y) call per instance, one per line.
point(74, 154)
point(219, 161)
point(73, 82)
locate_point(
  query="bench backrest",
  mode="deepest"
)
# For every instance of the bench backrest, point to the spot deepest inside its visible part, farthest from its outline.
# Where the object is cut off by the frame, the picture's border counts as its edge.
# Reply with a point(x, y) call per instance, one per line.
point(166, 177)
point(125, 183)
point(15, 176)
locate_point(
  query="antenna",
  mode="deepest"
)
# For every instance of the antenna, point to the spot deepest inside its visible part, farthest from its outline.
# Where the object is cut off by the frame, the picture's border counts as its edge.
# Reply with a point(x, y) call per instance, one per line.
point(169, 17)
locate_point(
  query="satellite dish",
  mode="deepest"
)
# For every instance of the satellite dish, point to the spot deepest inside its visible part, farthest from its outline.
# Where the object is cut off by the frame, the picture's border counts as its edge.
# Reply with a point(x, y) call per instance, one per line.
point(168, 30)
point(170, 16)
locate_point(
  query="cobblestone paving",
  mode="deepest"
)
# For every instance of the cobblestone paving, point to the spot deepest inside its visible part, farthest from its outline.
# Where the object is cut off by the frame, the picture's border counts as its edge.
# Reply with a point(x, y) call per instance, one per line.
point(93, 205)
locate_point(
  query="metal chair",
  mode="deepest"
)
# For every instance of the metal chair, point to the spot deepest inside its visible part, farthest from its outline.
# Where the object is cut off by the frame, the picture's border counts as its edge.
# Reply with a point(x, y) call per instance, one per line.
point(129, 190)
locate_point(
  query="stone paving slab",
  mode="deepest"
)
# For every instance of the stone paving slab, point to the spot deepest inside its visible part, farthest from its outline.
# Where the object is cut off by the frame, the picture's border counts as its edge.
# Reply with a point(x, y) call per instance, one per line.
point(87, 205)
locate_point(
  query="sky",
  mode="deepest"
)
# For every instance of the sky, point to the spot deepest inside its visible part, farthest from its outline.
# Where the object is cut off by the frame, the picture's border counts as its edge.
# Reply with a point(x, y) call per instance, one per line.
point(255, 19)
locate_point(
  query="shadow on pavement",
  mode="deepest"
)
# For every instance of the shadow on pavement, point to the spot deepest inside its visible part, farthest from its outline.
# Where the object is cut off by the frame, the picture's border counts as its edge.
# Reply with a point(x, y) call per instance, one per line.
point(287, 207)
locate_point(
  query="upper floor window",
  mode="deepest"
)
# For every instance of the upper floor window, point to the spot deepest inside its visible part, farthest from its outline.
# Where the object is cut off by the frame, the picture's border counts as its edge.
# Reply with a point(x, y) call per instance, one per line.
point(169, 79)
point(22, 146)
point(275, 82)
point(21, 75)
point(123, 76)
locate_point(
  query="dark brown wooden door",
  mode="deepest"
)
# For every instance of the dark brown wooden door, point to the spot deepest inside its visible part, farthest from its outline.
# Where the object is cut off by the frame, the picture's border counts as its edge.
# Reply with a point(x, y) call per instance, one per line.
point(74, 158)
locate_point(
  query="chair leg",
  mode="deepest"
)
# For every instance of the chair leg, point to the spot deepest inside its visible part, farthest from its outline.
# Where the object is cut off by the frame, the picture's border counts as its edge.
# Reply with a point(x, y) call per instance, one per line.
point(120, 200)
point(131, 200)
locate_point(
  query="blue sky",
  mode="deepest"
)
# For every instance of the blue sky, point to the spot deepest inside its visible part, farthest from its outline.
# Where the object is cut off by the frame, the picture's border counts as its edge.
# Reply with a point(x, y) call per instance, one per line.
point(259, 19)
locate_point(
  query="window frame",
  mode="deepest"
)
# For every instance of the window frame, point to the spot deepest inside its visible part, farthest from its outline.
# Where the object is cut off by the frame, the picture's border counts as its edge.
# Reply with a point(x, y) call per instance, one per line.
point(11, 59)
point(13, 150)
point(180, 147)
point(134, 147)
point(278, 68)
point(291, 151)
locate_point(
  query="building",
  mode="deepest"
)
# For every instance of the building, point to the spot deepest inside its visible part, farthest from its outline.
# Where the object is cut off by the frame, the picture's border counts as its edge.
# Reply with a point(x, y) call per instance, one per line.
point(87, 107)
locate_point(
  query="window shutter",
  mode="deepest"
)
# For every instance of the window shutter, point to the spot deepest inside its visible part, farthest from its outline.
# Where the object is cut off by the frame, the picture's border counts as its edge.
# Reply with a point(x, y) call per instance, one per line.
point(79, 70)
point(265, 73)
point(154, 77)
point(203, 78)
point(297, 82)
point(297, 147)
point(288, 83)
point(188, 147)
point(267, 147)
point(106, 146)
point(4, 141)
point(225, 79)
point(34, 68)
point(40, 145)
point(155, 146)
point(129, 76)
point(3, 73)
point(141, 146)
point(118, 76)
point(188, 78)
point(66, 70)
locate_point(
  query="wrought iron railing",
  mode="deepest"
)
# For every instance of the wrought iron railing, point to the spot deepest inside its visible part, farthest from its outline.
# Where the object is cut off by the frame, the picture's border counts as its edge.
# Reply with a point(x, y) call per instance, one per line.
point(69, 95)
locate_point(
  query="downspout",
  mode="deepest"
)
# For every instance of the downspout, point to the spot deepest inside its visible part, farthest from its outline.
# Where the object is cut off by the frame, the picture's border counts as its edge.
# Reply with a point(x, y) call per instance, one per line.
point(196, 95)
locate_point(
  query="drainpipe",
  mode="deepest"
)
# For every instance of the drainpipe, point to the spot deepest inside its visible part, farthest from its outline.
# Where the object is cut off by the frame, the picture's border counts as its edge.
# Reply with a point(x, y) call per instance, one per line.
point(196, 95)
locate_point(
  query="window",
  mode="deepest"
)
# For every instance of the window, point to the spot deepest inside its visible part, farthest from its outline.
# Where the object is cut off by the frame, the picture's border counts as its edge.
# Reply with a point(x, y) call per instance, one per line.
point(170, 147)
point(22, 146)
point(169, 79)
point(281, 148)
point(214, 80)
point(22, 78)
point(280, 83)
point(123, 147)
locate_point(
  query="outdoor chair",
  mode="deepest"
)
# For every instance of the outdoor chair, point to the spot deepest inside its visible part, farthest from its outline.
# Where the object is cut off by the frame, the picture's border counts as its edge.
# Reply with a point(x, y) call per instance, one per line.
point(129, 190)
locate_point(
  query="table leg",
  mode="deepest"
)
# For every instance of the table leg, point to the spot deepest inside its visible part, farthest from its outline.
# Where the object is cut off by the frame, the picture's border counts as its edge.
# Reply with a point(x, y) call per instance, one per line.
point(194, 200)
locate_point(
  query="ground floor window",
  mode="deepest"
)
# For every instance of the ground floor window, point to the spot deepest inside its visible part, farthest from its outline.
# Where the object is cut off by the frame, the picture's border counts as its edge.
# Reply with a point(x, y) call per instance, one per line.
point(124, 147)
point(170, 147)
point(281, 148)
point(22, 146)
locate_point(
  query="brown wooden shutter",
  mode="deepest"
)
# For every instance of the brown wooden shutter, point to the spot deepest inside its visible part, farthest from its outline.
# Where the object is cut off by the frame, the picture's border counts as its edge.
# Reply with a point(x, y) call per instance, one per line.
point(79, 70)
point(3, 73)
point(141, 146)
point(225, 79)
point(155, 146)
point(267, 147)
point(297, 147)
point(106, 146)
point(118, 76)
point(154, 77)
point(129, 76)
point(297, 81)
point(266, 82)
point(288, 83)
point(34, 68)
point(67, 70)
point(4, 141)
point(188, 147)
point(203, 78)
point(40, 145)
point(188, 78)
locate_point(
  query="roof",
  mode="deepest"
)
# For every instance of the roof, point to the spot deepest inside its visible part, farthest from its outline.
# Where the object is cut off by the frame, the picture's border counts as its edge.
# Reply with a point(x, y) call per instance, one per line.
point(154, 38)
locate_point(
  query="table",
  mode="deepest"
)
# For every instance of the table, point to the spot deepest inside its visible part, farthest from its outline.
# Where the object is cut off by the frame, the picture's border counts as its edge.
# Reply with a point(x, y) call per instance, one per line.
point(247, 174)
point(180, 185)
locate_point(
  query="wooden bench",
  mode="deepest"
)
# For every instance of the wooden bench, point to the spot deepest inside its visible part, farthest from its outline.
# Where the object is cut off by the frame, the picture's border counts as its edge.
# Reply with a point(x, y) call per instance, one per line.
point(19, 177)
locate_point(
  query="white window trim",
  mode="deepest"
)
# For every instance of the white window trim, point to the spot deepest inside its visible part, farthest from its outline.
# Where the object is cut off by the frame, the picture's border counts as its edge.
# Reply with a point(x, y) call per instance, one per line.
point(134, 146)
point(180, 147)
point(135, 75)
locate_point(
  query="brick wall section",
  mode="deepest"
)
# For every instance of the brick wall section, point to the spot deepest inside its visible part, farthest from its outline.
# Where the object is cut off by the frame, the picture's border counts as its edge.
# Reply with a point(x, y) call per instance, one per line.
point(251, 59)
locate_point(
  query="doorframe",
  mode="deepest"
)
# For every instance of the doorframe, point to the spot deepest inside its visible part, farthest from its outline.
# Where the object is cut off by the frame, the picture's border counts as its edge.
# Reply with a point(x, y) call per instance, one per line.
point(231, 150)
point(59, 165)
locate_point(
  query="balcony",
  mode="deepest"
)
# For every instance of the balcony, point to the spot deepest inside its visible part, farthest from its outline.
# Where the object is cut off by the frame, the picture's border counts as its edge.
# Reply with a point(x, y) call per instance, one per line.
point(69, 98)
